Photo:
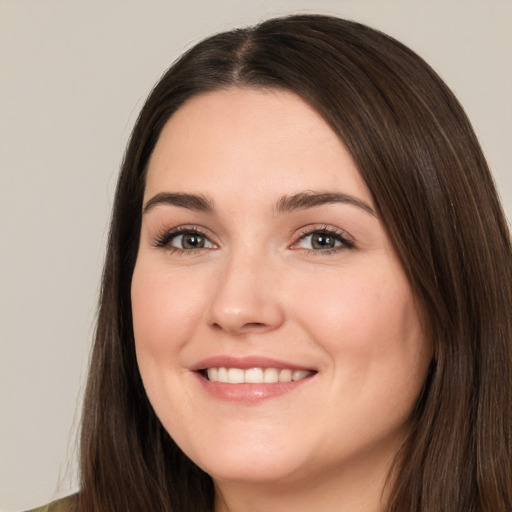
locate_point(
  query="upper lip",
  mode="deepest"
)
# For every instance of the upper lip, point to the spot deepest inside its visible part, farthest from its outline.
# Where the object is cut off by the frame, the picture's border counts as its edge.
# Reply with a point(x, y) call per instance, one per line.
point(245, 363)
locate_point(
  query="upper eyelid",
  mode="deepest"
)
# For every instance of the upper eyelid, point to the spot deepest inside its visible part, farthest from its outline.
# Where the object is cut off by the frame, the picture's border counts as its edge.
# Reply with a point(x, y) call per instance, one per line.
point(347, 240)
point(187, 228)
point(163, 237)
point(324, 228)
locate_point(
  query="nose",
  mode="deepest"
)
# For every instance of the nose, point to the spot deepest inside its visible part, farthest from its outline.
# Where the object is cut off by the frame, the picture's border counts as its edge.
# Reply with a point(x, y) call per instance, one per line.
point(247, 296)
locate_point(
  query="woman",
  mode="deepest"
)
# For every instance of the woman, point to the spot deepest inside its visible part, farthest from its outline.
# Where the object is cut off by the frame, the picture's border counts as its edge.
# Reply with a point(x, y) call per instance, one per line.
point(307, 289)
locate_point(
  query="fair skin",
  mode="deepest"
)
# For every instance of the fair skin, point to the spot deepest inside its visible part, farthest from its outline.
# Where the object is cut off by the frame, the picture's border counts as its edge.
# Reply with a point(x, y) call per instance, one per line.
point(261, 252)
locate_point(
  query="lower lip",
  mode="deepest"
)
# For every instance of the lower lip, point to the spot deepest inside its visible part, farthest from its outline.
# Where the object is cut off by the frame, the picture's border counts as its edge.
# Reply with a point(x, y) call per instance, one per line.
point(249, 392)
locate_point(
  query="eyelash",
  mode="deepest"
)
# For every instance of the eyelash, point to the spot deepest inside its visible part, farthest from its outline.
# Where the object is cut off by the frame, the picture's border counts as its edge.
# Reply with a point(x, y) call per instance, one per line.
point(164, 240)
point(345, 240)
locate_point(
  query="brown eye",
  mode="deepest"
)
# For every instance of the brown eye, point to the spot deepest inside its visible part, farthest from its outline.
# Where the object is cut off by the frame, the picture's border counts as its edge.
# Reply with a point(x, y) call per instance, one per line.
point(191, 241)
point(323, 241)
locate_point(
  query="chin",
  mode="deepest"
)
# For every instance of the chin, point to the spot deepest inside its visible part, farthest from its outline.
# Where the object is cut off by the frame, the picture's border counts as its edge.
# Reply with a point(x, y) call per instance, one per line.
point(252, 462)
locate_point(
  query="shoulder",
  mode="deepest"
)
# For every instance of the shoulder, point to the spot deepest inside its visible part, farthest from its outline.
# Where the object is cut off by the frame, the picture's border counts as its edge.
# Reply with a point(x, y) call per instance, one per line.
point(62, 505)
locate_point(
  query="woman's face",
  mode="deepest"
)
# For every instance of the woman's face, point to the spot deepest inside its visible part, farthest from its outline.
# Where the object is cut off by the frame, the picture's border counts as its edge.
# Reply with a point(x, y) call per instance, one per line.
point(276, 333)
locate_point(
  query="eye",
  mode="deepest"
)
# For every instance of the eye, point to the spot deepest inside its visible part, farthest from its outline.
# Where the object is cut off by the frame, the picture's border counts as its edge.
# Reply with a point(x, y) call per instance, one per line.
point(319, 241)
point(326, 239)
point(190, 241)
point(184, 239)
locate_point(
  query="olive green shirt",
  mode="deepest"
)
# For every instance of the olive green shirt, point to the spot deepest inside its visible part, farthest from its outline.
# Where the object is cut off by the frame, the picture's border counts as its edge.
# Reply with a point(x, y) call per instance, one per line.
point(62, 505)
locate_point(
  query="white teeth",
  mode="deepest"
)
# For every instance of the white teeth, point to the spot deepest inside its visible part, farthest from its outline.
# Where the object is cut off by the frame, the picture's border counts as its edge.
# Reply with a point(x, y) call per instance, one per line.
point(213, 374)
point(222, 375)
point(255, 375)
point(270, 375)
point(285, 376)
point(300, 374)
point(236, 376)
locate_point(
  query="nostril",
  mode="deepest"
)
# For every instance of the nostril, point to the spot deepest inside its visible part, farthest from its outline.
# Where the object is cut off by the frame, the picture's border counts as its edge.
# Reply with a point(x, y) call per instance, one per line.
point(255, 325)
point(249, 326)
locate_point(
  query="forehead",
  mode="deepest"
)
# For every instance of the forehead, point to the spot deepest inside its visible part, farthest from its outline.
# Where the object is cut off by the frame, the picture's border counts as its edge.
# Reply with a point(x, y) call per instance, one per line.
point(249, 140)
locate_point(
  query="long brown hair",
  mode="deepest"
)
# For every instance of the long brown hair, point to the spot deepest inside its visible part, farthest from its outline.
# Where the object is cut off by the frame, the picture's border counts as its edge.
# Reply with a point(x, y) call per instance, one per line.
point(417, 152)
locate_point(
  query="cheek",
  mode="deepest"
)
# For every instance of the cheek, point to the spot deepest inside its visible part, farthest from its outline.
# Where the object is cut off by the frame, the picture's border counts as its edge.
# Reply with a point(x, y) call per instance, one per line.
point(368, 324)
point(165, 310)
point(371, 333)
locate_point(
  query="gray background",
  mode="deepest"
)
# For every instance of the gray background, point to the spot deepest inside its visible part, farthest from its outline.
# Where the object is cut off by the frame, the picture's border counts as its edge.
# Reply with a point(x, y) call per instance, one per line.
point(73, 76)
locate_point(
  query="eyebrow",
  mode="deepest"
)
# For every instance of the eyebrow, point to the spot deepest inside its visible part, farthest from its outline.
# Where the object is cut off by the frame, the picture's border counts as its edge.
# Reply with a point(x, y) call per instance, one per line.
point(304, 200)
point(289, 203)
point(190, 201)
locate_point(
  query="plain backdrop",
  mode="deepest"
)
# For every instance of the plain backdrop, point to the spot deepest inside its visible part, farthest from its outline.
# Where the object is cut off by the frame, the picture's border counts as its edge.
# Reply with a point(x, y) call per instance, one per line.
point(73, 76)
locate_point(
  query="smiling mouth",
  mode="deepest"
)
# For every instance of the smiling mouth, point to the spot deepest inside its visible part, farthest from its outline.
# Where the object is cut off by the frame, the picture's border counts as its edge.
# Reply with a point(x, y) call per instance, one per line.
point(254, 375)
